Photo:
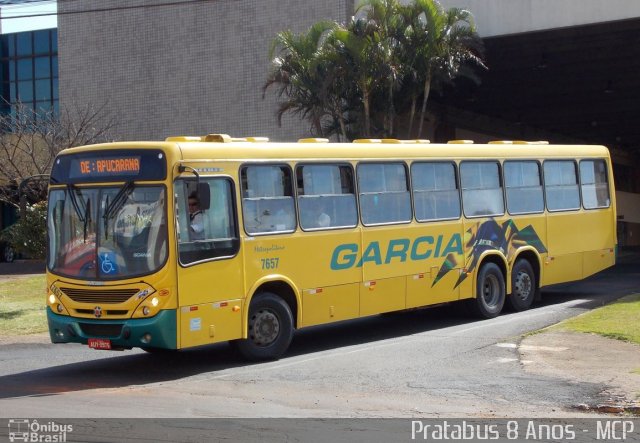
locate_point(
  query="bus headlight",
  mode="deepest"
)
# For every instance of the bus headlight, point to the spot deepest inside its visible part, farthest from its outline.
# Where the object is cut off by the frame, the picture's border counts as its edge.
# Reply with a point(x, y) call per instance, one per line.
point(59, 308)
point(52, 299)
point(154, 301)
point(145, 310)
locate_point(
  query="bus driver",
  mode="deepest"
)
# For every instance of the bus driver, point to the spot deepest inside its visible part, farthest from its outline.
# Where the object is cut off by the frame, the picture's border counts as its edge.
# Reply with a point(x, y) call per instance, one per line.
point(196, 218)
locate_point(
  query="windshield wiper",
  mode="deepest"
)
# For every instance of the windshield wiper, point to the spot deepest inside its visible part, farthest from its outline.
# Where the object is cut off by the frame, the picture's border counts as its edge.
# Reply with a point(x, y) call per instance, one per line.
point(117, 203)
point(74, 200)
point(87, 218)
point(105, 220)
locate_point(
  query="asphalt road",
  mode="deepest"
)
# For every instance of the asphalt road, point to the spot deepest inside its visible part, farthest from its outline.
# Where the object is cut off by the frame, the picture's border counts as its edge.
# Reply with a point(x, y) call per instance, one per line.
point(425, 363)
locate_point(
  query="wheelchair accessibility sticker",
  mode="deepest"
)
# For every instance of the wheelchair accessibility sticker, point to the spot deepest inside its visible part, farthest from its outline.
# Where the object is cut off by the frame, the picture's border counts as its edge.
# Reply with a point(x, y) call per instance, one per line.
point(108, 263)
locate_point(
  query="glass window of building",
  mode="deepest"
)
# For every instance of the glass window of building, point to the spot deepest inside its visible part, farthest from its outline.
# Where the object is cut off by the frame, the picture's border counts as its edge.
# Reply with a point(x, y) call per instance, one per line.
point(29, 71)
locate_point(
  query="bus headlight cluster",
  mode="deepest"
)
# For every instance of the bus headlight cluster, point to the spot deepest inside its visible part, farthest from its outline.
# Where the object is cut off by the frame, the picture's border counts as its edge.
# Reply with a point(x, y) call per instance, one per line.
point(145, 310)
point(54, 302)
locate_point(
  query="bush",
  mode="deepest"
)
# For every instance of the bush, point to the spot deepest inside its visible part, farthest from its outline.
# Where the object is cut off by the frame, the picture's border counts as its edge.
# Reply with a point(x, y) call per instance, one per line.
point(28, 236)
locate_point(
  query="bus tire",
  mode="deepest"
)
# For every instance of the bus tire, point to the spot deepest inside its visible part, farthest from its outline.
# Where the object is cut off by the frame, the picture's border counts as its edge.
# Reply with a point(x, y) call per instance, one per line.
point(490, 292)
point(523, 286)
point(269, 329)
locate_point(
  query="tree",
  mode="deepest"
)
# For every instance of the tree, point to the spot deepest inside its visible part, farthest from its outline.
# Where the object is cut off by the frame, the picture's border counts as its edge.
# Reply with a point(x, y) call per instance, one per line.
point(384, 16)
point(28, 236)
point(352, 79)
point(444, 40)
point(30, 140)
point(298, 73)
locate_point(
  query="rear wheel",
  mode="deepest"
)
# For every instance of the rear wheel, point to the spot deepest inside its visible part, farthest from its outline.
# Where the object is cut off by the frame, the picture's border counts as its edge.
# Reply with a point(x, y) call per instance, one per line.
point(490, 292)
point(523, 286)
point(270, 329)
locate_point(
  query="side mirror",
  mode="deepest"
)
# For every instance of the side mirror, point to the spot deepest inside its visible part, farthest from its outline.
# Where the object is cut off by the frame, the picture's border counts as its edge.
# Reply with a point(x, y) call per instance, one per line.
point(204, 196)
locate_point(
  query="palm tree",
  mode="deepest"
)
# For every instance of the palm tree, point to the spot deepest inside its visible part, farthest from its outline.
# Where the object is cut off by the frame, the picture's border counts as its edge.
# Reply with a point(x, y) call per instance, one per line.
point(344, 78)
point(383, 14)
point(298, 71)
point(357, 45)
point(443, 42)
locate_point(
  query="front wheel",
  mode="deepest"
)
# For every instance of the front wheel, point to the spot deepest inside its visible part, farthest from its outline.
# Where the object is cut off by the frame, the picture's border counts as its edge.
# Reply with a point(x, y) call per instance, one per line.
point(490, 292)
point(270, 329)
point(523, 285)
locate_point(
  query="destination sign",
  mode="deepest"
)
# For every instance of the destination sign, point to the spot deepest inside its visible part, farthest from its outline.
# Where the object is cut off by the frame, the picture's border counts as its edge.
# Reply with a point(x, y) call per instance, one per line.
point(115, 165)
point(105, 166)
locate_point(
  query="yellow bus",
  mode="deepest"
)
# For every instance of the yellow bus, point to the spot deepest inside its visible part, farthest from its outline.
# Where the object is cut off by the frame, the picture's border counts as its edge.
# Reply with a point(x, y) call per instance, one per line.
point(198, 240)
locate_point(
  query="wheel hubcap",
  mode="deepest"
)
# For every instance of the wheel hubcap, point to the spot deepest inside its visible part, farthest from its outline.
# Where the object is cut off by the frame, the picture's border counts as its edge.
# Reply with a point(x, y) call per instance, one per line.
point(264, 327)
point(523, 285)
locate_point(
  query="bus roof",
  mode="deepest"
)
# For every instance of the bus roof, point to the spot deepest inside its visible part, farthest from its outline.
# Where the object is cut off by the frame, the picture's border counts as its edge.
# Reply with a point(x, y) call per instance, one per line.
point(223, 147)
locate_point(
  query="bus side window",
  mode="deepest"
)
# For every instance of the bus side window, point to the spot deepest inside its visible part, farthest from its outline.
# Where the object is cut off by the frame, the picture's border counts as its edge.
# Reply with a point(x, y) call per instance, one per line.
point(561, 185)
point(384, 193)
point(594, 184)
point(267, 203)
point(209, 233)
point(481, 190)
point(523, 186)
point(326, 196)
point(435, 191)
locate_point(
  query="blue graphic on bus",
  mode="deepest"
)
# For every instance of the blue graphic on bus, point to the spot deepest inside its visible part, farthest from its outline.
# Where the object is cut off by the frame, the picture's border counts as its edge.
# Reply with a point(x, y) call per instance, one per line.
point(108, 263)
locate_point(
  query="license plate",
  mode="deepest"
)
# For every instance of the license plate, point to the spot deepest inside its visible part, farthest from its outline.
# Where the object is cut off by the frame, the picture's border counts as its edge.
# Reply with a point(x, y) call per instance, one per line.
point(99, 343)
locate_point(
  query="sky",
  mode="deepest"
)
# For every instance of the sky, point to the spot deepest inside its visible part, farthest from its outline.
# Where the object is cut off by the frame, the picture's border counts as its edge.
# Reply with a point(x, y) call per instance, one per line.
point(29, 23)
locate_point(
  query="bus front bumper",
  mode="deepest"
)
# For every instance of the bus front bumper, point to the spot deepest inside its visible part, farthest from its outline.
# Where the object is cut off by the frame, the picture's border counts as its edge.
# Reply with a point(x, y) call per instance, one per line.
point(155, 332)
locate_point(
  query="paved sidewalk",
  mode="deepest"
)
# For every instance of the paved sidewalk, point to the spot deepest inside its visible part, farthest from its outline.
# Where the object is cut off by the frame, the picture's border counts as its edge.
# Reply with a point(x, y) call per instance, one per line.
point(578, 358)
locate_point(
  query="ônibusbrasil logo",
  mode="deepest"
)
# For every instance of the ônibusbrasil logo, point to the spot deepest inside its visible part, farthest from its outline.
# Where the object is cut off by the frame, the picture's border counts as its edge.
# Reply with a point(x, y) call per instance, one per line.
point(22, 429)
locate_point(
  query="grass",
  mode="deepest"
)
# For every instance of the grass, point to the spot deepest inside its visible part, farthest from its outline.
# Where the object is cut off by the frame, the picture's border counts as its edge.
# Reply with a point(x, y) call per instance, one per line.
point(22, 306)
point(618, 320)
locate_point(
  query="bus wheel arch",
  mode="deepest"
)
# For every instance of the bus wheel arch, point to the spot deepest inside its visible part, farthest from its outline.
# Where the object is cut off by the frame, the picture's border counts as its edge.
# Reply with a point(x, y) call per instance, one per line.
point(282, 289)
point(525, 281)
point(490, 288)
point(270, 328)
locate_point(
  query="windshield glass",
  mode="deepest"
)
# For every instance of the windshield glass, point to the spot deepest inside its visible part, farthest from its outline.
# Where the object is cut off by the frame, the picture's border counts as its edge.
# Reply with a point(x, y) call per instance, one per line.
point(107, 232)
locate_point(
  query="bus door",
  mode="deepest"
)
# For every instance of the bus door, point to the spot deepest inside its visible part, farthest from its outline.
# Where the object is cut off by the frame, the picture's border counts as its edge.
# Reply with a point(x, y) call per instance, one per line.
point(210, 271)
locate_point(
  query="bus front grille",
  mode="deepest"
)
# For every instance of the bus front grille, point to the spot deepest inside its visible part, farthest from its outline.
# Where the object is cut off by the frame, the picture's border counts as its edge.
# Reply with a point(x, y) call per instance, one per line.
point(101, 330)
point(103, 296)
point(107, 312)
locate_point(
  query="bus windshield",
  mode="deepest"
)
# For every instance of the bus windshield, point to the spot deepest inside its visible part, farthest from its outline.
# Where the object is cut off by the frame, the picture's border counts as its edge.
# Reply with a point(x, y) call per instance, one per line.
point(102, 233)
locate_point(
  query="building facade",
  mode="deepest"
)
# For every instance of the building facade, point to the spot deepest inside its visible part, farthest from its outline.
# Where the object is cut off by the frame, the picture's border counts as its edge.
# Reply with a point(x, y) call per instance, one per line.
point(192, 68)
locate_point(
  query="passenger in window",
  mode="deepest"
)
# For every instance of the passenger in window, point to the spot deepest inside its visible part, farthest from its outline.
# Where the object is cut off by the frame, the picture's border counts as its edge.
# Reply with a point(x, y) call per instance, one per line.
point(314, 215)
point(196, 218)
point(322, 220)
